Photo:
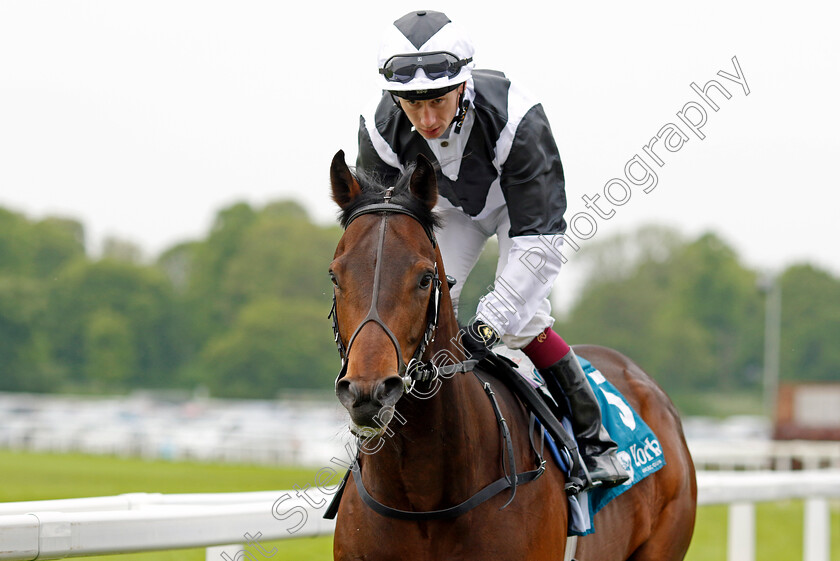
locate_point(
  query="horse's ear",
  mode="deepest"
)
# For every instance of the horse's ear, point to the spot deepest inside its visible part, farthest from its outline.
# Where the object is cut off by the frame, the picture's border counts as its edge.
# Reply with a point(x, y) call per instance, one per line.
point(423, 182)
point(345, 188)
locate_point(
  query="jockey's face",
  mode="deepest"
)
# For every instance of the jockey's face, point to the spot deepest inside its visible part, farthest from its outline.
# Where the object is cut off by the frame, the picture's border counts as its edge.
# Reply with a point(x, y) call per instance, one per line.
point(431, 117)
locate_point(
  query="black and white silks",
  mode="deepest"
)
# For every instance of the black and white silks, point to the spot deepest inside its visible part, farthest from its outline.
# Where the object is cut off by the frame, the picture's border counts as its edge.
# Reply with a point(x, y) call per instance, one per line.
point(504, 161)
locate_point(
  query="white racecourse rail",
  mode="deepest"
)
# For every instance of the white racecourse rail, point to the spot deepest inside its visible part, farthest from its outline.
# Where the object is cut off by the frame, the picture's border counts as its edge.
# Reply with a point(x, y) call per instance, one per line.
point(147, 521)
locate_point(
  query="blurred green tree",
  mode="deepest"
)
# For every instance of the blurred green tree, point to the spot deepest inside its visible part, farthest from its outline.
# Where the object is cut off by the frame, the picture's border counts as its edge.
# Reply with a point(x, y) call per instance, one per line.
point(110, 350)
point(274, 344)
point(90, 293)
point(688, 312)
point(25, 361)
point(243, 310)
point(810, 325)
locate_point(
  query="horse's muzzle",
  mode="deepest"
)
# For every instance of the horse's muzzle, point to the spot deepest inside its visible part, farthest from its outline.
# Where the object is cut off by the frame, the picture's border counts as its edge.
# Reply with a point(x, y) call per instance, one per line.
point(370, 404)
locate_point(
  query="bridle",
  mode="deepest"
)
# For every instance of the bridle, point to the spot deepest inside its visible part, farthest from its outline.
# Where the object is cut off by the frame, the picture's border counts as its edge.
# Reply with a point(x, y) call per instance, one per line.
point(419, 370)
point(416, 369)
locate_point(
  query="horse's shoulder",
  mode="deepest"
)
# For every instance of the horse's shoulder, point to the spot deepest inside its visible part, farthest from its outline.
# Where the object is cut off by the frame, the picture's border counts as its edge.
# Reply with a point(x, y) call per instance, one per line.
point(506, 385)
point(500, 382)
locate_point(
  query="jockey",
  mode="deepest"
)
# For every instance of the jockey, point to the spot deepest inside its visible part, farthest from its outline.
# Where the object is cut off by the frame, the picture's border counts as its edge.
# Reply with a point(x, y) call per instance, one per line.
point(499, 174)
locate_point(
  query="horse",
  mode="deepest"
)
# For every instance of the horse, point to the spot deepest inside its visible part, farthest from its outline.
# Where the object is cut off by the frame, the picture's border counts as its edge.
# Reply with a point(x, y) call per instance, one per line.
point(432, 450)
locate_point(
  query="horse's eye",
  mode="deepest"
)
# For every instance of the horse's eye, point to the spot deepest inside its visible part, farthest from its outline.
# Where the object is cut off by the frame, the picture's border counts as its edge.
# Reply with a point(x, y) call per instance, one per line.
point(426, 281)
point(333, 279)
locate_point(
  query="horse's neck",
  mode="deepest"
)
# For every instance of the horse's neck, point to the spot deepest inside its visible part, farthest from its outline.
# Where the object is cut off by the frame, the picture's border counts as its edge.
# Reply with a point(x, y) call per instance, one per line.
point(439, 434)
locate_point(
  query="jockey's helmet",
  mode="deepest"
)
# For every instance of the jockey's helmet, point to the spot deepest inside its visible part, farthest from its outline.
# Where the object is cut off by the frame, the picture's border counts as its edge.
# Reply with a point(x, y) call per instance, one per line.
point(424, 55)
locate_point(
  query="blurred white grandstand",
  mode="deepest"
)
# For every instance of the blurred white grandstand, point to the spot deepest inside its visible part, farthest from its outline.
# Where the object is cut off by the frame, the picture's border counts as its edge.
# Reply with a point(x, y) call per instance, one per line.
point(298, 430)
point(305, 430)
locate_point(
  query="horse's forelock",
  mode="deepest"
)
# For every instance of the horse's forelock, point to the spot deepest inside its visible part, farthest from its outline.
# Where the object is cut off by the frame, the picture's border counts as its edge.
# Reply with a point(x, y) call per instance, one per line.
point(373, 191)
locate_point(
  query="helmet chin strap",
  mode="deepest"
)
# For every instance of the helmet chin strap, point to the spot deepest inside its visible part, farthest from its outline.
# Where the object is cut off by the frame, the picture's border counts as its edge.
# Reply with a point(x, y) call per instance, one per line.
point(463, 106)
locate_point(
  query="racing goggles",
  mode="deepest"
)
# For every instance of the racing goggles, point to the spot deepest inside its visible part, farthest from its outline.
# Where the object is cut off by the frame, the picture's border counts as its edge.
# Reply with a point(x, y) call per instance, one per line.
point(437, 64)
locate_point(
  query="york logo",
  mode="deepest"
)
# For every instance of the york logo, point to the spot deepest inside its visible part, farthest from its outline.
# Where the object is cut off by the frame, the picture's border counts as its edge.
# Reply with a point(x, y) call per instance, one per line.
point(647, 453)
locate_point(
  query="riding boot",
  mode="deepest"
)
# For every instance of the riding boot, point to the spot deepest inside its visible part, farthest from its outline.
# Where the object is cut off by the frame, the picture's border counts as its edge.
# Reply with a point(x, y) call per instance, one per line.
point(567, 382)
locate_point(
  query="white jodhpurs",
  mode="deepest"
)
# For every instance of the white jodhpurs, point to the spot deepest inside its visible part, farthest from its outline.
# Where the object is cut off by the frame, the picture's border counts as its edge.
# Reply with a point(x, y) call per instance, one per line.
point(461, 240)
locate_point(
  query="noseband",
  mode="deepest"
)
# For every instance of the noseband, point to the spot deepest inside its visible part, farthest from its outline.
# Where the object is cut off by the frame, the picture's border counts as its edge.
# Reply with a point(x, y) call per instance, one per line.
point(416, 369)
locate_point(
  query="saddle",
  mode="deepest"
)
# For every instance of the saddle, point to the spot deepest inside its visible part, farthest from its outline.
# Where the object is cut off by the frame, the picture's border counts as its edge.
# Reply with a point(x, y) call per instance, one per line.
point(547, 412)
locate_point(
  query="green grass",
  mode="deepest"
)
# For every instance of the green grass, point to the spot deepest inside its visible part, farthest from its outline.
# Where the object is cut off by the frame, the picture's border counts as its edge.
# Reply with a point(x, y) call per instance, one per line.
point(29, 476)
point(779, 527)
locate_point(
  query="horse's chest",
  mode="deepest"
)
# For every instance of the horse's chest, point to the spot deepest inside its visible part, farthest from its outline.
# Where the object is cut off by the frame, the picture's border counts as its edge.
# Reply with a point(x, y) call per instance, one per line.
point(370, 537)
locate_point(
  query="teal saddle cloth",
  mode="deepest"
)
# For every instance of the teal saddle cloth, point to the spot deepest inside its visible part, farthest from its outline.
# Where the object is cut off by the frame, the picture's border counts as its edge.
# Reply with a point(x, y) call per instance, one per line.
point(639, 450)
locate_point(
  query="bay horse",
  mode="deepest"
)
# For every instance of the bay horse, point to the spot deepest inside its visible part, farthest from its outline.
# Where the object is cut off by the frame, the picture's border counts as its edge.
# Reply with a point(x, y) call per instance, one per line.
point(433, 442)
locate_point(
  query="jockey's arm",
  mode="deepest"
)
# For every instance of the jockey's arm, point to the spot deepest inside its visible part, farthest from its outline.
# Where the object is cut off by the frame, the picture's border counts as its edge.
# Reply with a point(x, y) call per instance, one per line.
point(533, 184)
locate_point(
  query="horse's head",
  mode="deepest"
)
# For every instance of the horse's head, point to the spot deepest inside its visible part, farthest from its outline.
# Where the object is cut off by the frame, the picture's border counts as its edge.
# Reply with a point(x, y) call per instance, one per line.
point(386, 274)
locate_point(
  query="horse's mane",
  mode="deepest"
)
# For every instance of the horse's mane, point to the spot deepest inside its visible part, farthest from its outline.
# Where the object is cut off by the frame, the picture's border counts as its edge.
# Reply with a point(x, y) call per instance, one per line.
point(373, 191)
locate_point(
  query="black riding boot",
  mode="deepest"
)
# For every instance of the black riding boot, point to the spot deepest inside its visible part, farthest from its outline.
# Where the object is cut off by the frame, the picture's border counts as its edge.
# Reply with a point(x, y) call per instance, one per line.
point(567, 382)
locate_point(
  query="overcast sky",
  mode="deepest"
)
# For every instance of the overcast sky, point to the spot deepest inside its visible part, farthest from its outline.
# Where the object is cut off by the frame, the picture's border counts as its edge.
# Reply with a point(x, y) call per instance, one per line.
point(143, 118)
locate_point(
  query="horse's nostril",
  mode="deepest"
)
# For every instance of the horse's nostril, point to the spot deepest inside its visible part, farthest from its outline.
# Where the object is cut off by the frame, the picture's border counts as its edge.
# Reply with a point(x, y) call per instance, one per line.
point(364, 400)
point(347, 393)
point(389, 391)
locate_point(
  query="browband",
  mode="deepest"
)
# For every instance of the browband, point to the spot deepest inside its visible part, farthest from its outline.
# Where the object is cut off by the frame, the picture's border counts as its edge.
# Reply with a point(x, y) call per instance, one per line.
point(391, 207)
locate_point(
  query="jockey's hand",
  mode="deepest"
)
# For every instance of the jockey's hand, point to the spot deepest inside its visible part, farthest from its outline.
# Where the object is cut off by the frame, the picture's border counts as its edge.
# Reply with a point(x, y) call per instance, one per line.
point(478, 338)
